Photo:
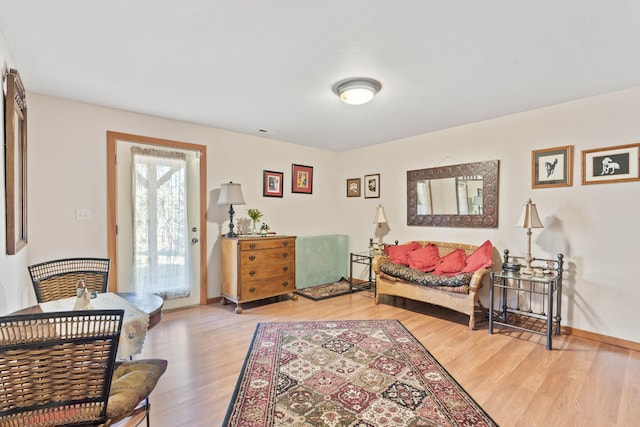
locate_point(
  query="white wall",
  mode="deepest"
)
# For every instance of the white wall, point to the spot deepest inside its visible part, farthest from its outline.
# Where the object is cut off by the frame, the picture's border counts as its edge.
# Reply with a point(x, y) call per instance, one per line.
point(594, 226)
point(67, 170)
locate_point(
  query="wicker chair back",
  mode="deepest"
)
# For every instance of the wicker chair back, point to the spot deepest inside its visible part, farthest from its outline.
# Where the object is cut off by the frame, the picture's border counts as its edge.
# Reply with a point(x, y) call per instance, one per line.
point(58, 279)
point(57, 367)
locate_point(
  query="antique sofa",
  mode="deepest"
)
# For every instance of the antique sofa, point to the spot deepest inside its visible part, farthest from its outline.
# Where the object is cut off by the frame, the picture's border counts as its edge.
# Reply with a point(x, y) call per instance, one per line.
point(441, 273)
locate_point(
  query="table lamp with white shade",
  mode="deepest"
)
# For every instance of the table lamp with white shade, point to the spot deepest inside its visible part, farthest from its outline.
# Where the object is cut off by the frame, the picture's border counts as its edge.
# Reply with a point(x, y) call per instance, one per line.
point(230, 194)
point(380, 218)
point(529, 219)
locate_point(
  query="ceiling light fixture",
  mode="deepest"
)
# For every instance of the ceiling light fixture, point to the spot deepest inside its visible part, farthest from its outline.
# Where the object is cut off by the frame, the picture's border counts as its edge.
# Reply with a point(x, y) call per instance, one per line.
point(357, 91)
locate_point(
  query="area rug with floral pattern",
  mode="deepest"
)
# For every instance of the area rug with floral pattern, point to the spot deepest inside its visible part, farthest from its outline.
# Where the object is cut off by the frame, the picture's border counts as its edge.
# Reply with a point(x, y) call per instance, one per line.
point(346, 373)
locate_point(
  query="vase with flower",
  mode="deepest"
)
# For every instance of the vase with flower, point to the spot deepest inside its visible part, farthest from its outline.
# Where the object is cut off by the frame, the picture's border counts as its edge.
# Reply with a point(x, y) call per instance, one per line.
point(255, 216)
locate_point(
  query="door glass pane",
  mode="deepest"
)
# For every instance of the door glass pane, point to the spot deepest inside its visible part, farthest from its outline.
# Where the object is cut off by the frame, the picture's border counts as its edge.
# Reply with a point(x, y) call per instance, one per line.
point(160, 231)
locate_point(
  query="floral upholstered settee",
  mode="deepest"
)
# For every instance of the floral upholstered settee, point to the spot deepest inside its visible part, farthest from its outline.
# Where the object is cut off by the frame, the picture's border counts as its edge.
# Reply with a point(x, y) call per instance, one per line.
point(445, 274)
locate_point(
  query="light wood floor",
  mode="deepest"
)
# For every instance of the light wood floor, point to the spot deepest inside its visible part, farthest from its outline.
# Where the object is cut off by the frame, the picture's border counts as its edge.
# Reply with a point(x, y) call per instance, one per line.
point(510, 374)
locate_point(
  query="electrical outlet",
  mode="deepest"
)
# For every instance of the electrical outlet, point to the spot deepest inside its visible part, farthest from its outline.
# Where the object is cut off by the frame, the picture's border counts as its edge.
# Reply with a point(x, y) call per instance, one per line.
point(83, 214)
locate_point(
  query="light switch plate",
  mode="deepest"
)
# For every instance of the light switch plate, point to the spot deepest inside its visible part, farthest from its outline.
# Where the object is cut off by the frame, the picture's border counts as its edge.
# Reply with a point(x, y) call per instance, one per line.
point(83, 214)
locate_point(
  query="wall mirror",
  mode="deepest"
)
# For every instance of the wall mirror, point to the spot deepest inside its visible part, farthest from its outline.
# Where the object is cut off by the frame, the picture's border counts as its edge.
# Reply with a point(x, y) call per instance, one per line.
point(15, 162)
point(463, 195)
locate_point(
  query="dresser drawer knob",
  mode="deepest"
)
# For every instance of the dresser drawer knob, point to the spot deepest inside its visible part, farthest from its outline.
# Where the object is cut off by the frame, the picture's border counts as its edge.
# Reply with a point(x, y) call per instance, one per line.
point(284, 255)
point(252, 257)
point(285, 244)
point(252, 290)
point(285, 284)
point(252, 273)
point(252, 245)
point(285, 268)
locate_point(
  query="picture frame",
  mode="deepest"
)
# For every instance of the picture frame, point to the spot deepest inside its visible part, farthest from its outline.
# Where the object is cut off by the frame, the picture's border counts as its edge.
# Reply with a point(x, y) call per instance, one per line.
point(552, 167)
point(15, 163)
point(353, 187)
point(620, 163)
point(301, 179)
point(372, 186)
point(272, 183)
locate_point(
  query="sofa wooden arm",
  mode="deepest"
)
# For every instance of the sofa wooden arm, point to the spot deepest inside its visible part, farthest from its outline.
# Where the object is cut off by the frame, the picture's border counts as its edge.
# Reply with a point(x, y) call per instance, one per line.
point(476, 280)
point(377, 261)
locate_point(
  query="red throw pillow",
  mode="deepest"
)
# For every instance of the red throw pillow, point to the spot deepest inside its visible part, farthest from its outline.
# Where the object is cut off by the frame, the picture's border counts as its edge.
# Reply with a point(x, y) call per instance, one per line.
point(424, 258)
point(451, 264)
point(398, 254)
point(480, 258)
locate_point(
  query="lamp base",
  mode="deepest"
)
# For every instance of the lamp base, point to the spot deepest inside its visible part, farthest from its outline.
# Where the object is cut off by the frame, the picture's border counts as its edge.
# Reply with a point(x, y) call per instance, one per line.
point(231, 233)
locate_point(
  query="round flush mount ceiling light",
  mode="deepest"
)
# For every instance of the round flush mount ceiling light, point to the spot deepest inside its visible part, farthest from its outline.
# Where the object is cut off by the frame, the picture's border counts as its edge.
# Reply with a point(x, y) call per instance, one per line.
point(357, 91)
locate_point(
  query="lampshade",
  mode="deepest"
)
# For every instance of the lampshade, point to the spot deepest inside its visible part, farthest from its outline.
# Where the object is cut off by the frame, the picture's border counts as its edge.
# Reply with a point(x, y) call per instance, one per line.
point(380, 217)
point(357, 91)
point(230, 194)
point(529, 216)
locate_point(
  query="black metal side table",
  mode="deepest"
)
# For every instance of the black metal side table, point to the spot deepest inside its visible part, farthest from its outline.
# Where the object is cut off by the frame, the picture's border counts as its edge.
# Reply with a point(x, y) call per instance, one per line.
point(364, 258)
point(530, 303)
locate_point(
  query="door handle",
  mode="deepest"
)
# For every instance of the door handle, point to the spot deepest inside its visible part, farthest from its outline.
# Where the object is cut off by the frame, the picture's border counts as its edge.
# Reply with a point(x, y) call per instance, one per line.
point(194, 241)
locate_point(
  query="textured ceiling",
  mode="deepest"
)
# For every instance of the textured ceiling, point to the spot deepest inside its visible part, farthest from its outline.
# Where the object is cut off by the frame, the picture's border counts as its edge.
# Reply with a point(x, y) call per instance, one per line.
point(249, 65)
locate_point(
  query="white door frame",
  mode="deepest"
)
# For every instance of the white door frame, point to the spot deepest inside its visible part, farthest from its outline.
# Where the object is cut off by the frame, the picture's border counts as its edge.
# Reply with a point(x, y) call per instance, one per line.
point(112, 211)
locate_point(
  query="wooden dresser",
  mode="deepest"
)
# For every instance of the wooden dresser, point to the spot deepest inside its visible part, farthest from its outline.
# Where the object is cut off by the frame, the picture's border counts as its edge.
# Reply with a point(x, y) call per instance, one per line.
point(257, 268)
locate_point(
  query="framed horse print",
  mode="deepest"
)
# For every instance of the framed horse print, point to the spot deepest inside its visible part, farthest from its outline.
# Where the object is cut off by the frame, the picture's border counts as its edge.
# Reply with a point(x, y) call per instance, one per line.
point(612, 164)
point(552, 167)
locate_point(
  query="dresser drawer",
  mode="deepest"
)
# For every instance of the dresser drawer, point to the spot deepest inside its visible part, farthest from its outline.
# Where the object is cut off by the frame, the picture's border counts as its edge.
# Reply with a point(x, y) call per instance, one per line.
point(265, 271)
point(251, 257)
point(266, 288)
point(266, 243)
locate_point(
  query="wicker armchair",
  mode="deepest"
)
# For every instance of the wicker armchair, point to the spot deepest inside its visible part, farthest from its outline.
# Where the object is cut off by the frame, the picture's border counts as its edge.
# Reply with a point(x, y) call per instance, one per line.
point(58, 279)
point(59, 369)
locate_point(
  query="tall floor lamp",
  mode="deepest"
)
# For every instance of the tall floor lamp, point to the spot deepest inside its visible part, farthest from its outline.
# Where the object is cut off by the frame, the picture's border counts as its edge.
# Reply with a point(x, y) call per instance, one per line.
point(230, 194)
point(529, 219)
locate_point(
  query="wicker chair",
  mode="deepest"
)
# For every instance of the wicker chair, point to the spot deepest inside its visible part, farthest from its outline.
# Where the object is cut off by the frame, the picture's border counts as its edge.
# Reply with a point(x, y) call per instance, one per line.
point(59, 369)
point(58, 279)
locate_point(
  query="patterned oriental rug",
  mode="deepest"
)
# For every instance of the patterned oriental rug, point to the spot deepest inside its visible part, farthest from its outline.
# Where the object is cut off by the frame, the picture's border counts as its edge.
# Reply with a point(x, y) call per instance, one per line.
point(346, 373)
point(329, 290)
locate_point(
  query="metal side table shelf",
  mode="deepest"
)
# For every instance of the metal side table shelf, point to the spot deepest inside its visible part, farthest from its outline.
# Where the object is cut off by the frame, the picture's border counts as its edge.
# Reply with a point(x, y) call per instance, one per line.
point(365, 258)
point(530, 303)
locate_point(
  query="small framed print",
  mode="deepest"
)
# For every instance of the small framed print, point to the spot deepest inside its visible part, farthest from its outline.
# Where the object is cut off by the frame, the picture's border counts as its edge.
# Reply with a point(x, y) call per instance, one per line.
point(353, 187)
point(372, 186)
point(552, 167)
point(301, 179)
point(611, 164)
point(272, 183)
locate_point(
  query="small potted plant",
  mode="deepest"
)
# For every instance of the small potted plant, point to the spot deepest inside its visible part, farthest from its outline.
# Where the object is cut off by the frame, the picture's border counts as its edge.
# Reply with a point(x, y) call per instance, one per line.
point(255, 216)
point(264, 229)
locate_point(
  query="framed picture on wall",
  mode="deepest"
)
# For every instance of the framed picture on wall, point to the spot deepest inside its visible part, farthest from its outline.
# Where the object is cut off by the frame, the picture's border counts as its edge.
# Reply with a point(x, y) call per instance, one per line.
point(611, 164)
point(353, 187)
point(272, 183)
point(372, 186)
point(301, 179)
point(552, 167)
